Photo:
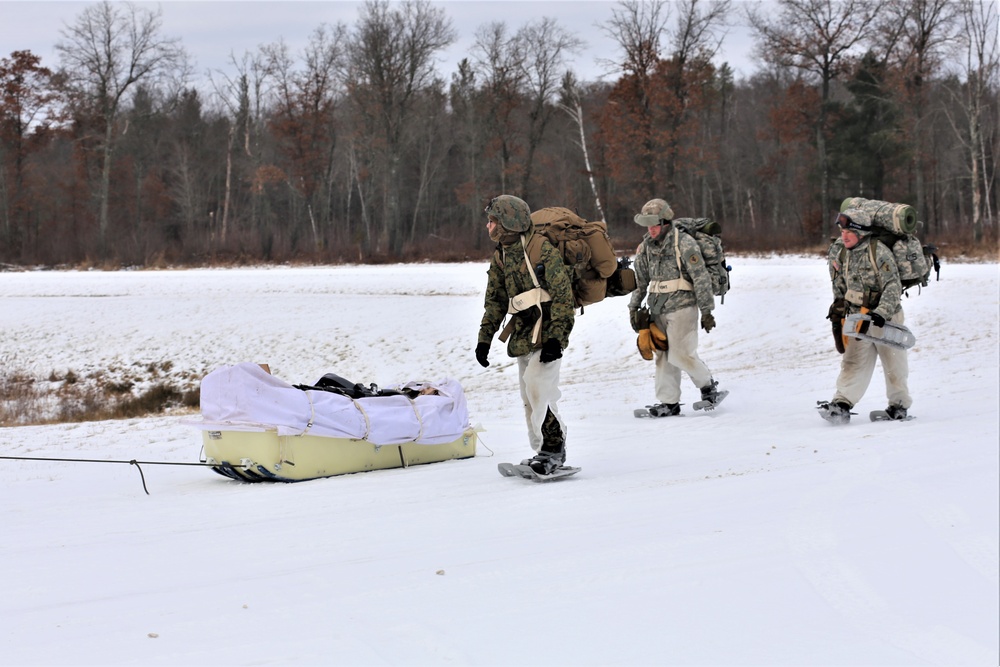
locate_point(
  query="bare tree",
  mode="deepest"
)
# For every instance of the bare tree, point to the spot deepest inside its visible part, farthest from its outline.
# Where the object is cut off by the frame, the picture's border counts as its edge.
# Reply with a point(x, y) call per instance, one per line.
point(108, 50)
point(695, 40)
point(570, 104)
point(637, 27)
point(498, 60)
point(242, 97)
point(29, 105)
point(304, 116)
point(814, 37)
point(546, 46)
point(979, 41)
point(926, 26)
point(391, 59)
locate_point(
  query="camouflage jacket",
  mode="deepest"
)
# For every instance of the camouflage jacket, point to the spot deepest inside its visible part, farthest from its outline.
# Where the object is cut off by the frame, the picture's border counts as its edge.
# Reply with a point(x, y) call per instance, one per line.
point(655, 261)
point(508, 276)
point(856, 279)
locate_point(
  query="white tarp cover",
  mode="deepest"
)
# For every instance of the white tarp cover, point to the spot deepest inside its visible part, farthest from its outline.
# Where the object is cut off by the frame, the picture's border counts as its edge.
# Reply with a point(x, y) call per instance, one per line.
point(245, 397)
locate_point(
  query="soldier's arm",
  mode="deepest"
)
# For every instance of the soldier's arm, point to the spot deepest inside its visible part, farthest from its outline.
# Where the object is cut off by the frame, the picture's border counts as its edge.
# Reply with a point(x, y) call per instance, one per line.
point(495, 305)
point(642, 278)
point(836, 270)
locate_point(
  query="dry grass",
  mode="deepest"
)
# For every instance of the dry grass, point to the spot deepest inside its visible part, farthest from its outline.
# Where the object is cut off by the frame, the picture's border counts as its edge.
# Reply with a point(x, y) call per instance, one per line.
point(71, 396)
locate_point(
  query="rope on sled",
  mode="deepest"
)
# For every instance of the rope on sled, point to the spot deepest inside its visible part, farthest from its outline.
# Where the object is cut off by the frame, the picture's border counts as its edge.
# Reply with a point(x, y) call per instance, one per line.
point(132, 462)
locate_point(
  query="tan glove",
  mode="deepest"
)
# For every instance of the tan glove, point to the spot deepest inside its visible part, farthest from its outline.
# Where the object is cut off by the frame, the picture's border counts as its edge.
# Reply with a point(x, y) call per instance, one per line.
point(659, 337)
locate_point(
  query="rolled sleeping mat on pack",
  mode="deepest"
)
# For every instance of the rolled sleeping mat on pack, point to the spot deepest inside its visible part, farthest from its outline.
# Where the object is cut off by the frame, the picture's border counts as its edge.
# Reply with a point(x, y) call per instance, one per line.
point(898, 218)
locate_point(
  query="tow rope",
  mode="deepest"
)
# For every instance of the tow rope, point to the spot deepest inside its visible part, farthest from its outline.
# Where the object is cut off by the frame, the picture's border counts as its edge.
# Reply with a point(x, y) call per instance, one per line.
point(132, 462)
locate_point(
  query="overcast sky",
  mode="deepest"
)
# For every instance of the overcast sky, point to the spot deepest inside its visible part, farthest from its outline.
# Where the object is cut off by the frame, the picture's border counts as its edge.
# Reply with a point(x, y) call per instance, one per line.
point(211, 31)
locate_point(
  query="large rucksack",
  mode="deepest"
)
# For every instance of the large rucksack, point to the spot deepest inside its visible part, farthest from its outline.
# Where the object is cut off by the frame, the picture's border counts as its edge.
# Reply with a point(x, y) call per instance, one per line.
point(708, 234)
point(896, 225)
point(595, 270)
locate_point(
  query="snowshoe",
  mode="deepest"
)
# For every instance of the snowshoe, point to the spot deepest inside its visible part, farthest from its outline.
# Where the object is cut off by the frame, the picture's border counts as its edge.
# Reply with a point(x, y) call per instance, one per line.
point(892, 335)
point(891, 413)
point(526, 472)
point(659, 410)
point(710, 397)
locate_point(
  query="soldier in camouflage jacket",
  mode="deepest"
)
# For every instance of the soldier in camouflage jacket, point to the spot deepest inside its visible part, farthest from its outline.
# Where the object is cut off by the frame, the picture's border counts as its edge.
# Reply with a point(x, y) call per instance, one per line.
point(670, 275)
point(538, 332)
point(865, 278)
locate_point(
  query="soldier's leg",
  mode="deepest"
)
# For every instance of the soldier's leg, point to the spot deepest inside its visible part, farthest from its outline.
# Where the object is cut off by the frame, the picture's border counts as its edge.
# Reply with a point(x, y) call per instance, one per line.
point(682, 337)
point(667, 379)
point(856, 367)
point(540, 394)
point(554, 436)
point(896, 368)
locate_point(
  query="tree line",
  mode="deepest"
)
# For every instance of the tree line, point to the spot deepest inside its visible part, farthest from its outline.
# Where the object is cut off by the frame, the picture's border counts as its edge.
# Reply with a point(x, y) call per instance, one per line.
point(358, 149)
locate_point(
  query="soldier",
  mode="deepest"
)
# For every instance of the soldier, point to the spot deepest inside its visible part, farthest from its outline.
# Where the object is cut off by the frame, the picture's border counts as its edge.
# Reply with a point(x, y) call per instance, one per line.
point(669, 265)
point(539, 297)
point(865, 280)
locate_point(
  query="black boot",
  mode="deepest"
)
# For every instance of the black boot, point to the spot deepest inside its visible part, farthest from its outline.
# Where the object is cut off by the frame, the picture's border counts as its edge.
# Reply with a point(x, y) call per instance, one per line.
point(896, 412)
point(552, 454)
point(665, 409)
point(835, 413)
point(710, 392)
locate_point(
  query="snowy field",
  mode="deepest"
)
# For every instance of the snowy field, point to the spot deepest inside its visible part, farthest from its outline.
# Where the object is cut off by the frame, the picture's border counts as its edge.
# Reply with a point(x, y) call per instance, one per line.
point(755, 535)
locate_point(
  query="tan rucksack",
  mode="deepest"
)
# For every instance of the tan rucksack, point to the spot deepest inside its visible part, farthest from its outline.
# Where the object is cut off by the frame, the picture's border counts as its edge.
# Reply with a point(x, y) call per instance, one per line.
point(586, 250)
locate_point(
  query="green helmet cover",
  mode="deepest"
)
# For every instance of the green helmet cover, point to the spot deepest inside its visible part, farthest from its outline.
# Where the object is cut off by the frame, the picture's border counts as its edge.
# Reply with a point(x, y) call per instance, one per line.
point(512, 212)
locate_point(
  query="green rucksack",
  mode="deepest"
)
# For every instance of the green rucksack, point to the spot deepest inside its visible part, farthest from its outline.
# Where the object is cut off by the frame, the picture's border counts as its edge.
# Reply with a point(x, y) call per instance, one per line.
point(708, 234)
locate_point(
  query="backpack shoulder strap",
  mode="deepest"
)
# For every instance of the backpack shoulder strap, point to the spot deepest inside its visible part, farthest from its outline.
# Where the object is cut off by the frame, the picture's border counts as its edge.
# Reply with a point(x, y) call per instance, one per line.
point(677, 250)
point(530, 248)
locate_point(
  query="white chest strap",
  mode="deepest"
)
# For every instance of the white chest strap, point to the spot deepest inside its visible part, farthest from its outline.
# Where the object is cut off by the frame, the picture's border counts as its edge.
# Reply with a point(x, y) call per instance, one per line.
point(533, 298)
point(678, 284)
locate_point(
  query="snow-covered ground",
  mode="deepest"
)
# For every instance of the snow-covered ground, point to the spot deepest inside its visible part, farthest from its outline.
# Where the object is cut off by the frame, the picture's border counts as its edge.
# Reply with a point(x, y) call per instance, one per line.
point(758, 534)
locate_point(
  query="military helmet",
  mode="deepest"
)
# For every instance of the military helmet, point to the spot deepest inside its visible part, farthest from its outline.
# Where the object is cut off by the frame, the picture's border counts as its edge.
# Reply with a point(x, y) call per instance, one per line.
point(654, 212)
point(512, 213)
point(855, 219)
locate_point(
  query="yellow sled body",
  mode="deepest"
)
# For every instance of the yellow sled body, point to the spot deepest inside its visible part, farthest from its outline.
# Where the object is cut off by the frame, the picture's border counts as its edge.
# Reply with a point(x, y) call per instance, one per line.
point(259, 456)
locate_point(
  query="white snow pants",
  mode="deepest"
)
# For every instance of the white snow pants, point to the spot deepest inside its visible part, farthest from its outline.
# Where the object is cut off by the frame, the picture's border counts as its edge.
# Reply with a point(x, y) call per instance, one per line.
point(681, 327)
point(540, 392)
point(858, 364)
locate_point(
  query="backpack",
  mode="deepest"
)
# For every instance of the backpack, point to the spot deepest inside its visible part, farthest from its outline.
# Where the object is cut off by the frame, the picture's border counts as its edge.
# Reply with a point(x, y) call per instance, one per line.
point(895, 225)
point(708, 234)
point(594, 268)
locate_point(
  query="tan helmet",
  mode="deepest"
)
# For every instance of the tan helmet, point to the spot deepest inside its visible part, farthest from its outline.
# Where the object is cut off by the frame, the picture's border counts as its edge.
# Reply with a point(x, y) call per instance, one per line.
point(512, 213)
point(654, 212)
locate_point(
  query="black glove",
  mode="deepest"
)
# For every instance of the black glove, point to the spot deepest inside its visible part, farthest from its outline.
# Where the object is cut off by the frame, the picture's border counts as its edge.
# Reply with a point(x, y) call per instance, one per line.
point(837, 310)
point(551, 350)
point(633, 319)
point(707, 322)
point(877, 320)
point(482, 352)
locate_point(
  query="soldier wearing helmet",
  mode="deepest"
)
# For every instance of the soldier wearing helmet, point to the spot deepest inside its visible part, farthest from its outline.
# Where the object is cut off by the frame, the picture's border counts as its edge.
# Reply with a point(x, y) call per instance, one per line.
point(539, 300)
point(670, 274)
point(865, 279)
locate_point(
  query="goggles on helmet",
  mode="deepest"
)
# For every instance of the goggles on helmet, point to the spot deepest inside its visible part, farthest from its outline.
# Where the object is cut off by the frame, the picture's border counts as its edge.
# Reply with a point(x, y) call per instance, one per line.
point(845, 222)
